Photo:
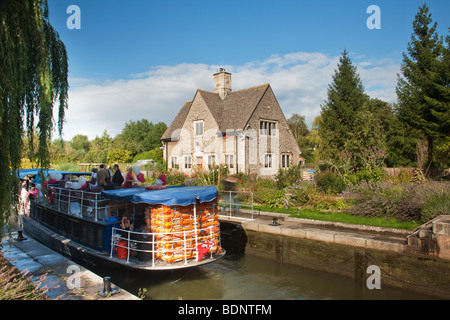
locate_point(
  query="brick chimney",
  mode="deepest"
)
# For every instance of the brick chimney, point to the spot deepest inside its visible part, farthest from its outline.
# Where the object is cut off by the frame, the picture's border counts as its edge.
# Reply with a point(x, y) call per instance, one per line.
point(222, 83)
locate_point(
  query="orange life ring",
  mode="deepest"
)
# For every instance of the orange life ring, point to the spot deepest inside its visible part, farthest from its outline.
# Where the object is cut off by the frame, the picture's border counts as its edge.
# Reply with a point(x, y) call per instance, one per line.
point(50, 195)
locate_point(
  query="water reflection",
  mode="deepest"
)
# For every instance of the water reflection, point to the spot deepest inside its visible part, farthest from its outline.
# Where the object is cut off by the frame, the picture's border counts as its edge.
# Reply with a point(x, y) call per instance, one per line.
point(244, 277)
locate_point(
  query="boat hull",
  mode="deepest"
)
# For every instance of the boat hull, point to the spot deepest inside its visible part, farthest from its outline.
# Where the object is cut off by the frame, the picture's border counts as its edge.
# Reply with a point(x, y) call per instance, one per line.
point(92, 258)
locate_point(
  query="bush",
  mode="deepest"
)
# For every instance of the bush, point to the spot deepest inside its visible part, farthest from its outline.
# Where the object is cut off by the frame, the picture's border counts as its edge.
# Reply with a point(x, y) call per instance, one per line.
point(270, 197)
point(286, 177)
point(404, 202)
point(331, 183)
point(302, 193)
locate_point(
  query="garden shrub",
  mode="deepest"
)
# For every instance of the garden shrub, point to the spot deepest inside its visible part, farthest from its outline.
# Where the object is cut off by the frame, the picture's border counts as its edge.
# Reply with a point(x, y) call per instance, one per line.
point(286, 177)
point(330, 182)
point(404, 202)
point(270, 197)
point(301, 193)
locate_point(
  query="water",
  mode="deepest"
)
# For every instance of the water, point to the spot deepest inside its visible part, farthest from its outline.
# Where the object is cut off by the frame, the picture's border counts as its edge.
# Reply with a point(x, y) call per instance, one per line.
point(245, 277)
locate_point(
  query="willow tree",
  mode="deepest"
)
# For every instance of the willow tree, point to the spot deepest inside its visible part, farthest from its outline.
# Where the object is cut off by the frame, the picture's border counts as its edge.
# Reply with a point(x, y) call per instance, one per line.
point(33, 79)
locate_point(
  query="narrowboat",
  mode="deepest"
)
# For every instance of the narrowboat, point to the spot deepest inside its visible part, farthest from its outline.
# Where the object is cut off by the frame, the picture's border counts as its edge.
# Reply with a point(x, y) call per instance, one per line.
point(141, 227)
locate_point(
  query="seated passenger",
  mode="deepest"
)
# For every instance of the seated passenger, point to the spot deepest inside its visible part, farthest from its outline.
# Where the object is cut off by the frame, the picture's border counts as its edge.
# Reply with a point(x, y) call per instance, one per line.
point(109, 184)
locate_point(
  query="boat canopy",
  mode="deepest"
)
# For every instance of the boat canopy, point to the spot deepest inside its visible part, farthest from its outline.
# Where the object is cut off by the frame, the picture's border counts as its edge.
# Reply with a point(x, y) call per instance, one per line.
point(181, 196)
point(32, 172)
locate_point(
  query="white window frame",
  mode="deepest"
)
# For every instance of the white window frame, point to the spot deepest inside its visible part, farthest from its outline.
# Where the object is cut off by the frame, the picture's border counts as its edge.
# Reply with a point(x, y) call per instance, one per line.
point(211, 160)
point(268, 160)
point(285, 160)
point(173, 162)
point(229, 160)
point(187, 162)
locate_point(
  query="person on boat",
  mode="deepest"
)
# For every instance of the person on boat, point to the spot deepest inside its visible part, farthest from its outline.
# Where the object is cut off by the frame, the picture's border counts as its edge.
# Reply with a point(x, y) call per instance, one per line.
point(163, 178)
point(101, 175)
point(93, 181)
point(125, 223)
point(38, 178)
point(117, 177)
point(129, 179)
point(109, 184)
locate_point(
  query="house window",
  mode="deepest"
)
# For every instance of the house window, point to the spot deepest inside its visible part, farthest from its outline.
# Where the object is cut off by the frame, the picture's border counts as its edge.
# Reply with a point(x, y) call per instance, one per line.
point(229, 161)
point(198, 128)
point(211, 160)
point(267, 128)
point(173, 162)
point(268, 160)
point(187, 162)
point(285, 161)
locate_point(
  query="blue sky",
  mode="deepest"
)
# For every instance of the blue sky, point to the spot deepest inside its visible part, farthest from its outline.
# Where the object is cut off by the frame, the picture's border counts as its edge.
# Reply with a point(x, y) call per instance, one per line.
point(143, 59)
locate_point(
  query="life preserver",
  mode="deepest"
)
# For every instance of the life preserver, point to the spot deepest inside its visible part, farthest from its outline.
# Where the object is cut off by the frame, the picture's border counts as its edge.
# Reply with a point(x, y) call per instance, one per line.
point(50, 195)
point(155, 187)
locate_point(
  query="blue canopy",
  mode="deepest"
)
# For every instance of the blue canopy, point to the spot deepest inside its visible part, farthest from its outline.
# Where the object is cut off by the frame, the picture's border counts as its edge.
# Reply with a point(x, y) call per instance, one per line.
point(171, 196)
point(32, 172)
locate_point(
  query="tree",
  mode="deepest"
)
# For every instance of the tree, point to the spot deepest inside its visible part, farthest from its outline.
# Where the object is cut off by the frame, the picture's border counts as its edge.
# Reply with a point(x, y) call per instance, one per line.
point(346, 98)
point(100, 147)
point(297, 125)
point(33, 77)
point(423, 92)
point(140, 136)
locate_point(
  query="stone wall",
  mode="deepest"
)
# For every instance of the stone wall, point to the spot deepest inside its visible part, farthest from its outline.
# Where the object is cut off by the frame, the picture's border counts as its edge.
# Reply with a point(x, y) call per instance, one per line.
point(430, 276)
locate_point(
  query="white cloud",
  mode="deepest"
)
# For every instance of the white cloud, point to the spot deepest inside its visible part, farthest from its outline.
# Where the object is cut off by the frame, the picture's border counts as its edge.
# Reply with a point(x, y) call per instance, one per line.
point(299, 80)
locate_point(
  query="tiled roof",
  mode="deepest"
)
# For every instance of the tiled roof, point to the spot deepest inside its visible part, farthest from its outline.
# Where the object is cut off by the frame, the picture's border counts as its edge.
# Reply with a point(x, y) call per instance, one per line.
point(231, 112)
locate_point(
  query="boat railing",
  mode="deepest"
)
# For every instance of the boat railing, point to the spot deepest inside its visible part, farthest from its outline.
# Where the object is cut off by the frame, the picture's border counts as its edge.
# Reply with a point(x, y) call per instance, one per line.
point(180, 246)
point(231, 202)
point(79, 203)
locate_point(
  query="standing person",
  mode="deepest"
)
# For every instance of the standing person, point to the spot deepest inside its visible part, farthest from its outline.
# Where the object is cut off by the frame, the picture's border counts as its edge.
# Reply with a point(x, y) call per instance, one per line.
point(93, 180)
point(129, 179)
point(101, 176)
point(23, 209)
point(117, 177)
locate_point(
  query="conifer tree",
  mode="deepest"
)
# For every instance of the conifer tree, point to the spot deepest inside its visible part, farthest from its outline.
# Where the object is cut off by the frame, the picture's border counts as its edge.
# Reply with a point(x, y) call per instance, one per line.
point(346, 98)
point(423, 91)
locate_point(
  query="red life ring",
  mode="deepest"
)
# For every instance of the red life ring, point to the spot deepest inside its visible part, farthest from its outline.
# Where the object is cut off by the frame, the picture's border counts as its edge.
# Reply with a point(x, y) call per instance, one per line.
point(50, 195)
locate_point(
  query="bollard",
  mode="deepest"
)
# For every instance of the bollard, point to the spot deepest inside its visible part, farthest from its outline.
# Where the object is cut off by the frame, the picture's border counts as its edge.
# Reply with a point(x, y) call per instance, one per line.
point(275, 222)
point(107, 291)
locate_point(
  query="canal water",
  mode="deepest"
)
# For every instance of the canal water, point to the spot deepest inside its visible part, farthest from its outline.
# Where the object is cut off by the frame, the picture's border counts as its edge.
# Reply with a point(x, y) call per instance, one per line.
point(245, 277)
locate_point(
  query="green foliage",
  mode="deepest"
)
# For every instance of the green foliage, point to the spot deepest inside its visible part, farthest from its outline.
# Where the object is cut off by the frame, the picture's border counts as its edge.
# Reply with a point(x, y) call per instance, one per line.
point(141, 136)
point(345, 99)
point(405, 202)
point(354, 168)
point(272, 198)
point(33, 79)
point(331, 183)
point(118, 155)
point(286, 177)
point(69, 167)
point(213, 177)
point(156, 155)
point(423, 91)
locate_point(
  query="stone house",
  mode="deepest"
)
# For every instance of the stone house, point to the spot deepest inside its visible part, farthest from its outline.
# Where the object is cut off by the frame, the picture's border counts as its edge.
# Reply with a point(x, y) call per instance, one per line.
point(245, 130)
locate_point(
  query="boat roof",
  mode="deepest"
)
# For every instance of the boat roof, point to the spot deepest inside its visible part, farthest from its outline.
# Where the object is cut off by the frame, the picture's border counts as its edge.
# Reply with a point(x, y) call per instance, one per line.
point(175, 195)
point(32, 172)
